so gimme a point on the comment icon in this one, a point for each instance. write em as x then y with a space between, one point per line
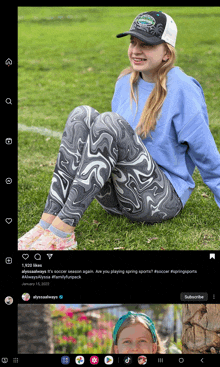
37 257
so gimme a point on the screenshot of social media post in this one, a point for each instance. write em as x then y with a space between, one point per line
111 248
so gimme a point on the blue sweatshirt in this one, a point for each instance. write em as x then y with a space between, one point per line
182 138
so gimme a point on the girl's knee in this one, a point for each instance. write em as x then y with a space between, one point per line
112 122
83 113
109 119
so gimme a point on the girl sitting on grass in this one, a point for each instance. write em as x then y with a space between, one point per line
135 333
137 160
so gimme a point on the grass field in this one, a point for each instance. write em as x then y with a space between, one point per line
69 56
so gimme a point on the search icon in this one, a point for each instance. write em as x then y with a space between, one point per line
8 100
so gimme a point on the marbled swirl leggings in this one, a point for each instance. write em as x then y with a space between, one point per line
101 157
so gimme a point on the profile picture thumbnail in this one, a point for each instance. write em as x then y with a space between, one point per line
26 296
8 300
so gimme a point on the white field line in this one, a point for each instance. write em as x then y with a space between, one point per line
40 130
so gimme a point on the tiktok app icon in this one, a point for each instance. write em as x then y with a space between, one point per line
127 360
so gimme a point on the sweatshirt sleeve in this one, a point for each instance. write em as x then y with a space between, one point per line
201 146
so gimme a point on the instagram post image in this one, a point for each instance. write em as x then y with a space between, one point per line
116 329
118 142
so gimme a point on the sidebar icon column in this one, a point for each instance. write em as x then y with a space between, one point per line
9 200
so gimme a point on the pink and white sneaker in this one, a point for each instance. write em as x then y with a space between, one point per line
30 237
49 241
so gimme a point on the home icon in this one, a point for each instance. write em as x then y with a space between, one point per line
8 62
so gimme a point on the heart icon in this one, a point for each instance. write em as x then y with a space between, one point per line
25 256
8 220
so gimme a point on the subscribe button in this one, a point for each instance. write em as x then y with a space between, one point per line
193 296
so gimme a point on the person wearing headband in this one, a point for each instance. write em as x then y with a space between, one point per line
135 333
